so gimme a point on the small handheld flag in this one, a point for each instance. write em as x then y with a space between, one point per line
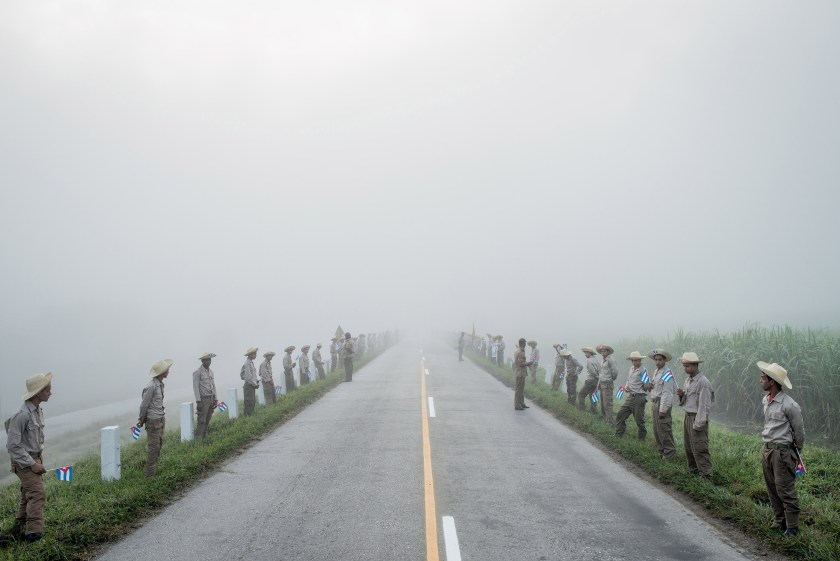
645 377
278 390
135 432
64 473
594 397
800 465
620 393
668 376
222 406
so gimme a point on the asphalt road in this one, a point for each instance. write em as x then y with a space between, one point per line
343 481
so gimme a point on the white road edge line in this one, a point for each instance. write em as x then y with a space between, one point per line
431 407
450 536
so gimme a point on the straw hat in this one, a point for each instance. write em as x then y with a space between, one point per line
251 350
588 350
304 348
652 354
610 350
289 349
635 355
565 352
532 343
319 345
160 367
776 372
36 383
555 345
690 358
269 354
206 356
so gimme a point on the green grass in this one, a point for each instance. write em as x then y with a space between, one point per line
737 491
87 513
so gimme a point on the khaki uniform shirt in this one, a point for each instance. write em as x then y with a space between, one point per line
783 421
287 361
520 364
558 360
698 399
593 368
249 373
204 384
665 391
607 371
151 405
571 366
25 434
347 350
304 363
634 380
316 356
266 374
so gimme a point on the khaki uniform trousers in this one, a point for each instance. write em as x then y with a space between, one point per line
571 387
250 396
589 387
203 413
555 379
322 375
290 379
30 516
607 401
154 431
696 444
519 392
533 369
663 431
634 405
500 359
348 369
268 392
333 362
779 466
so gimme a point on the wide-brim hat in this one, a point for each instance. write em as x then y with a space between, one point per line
36 383
776 372
652 354
251 350
532 343
588 350
305 348
610 350
556 345
289 349
635 355
160 367
690 358
269 354
206 356
565 353
319 345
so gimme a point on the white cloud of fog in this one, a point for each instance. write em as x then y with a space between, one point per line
210 175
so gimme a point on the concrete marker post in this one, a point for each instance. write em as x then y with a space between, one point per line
109 446
187 427
260 395
233 403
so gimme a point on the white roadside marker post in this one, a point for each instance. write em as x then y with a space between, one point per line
187 429
233 403
109 446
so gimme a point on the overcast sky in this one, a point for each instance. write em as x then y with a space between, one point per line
182 177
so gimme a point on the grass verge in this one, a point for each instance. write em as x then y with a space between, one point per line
736 492
88 513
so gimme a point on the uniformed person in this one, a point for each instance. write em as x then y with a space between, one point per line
335 346
535 360
572 369
607 373
267 378
361 346
500 352
319 362
204 388
251 382
304 365
593 374
635 398
347 351
461 347
558 367
153 413
696 401
784 437
662 387
289 369
25 443
520 368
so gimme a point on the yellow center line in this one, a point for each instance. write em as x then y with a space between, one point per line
432 553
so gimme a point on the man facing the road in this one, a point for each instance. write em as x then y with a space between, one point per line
347 357
572 368
251 382
608 372
25 443
267 378
662 391
535 360
204 388
696 400
636 398
593 369
319 362
784 436
520 367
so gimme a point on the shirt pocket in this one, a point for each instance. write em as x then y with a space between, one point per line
778 416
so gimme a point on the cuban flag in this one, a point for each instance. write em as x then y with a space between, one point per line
64 473
668 376
278 390
620 393
135 432
645 377
222 406
800 465
594 397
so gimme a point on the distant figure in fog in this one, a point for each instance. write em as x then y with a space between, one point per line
304 365
289 369
461 347
572 369
535 360
335 348
267 378
153 413
558 368
520 368
500 352
319 362
347 352
251 382
204 388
